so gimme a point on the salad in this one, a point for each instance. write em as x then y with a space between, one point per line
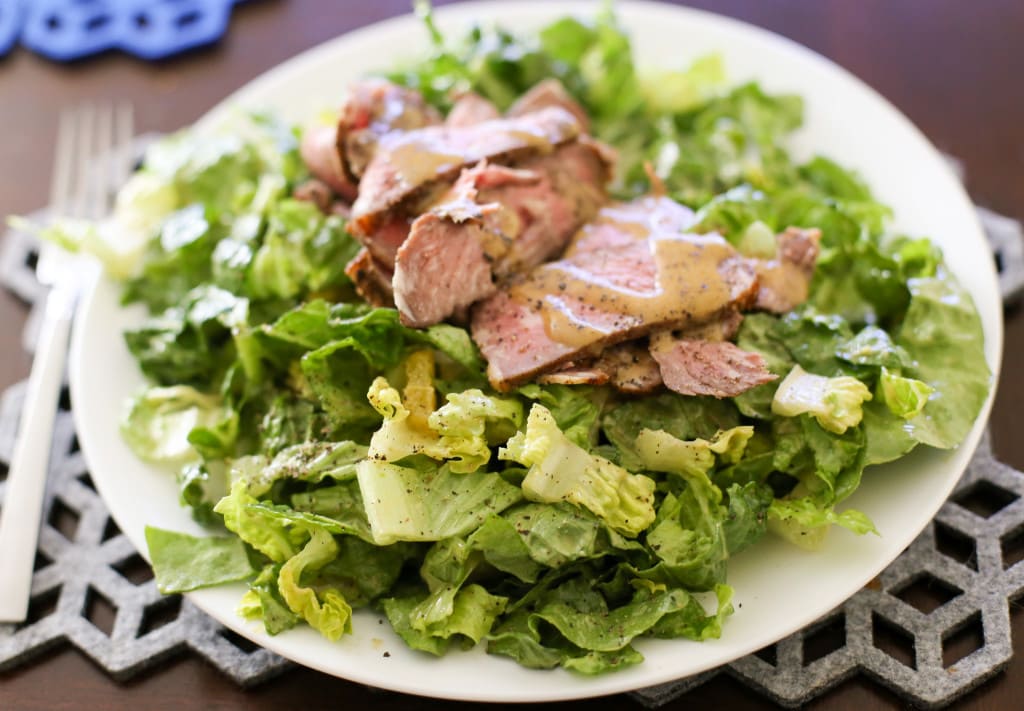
346 454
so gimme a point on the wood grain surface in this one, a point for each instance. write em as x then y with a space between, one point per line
954 67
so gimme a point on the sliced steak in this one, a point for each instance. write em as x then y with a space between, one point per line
570 193
470 109
444 265
629 367
373 109
716 368
320 155
573 374
372 279
633 370
786 280
414 164
518 217
383 243
315 191
629 272
721 329
549 92
441 270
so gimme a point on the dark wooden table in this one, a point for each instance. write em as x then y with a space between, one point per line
953 67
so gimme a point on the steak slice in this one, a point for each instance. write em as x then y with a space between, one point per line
545 93
633 369
630 272
415 163
384 242
320 155
338 154
571 191
442 269
786 280
373 109
573 374
470 109
315 191
495 219
721 329
629 367
372 279
716 368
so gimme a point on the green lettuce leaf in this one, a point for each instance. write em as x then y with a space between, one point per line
561 470
905 397
689 536
177 260
747 518
177 424
190 343
363 572
182 562
263 601
273 537
404 504
397 610
342 503
502 546
576 409
301 251
311 462
804 521
201 486
874 346
554 535
834 402
325 609
942 333
683 417
459 431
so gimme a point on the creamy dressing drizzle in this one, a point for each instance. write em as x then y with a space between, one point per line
788 283
580 307
416 161
425 154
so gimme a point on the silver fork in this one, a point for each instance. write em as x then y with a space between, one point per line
93 155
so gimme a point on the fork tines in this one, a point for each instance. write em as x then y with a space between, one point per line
93 158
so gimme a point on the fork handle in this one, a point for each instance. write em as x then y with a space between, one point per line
26 481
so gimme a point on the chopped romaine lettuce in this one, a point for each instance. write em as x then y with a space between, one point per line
182 562
834 402
804 522
905 397
324 609
456 432
406 504
178 423
561 470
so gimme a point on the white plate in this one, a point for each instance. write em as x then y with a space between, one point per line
778 589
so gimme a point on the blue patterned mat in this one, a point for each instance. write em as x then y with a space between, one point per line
66 30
